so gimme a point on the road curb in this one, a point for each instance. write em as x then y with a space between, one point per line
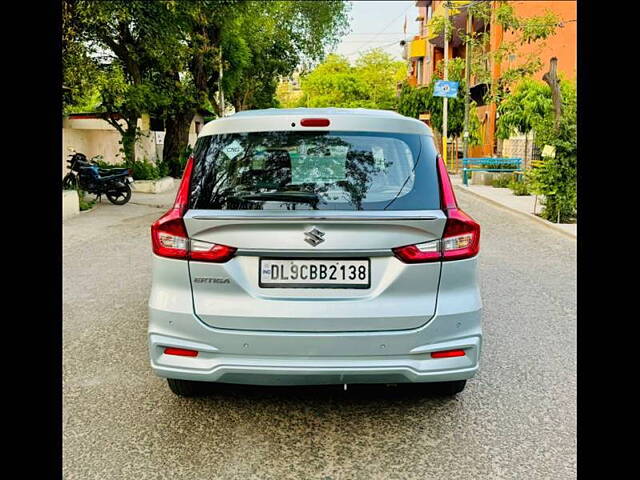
530 216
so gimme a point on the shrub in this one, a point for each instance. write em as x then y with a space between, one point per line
502 181
141 170
84 203
145 170
505 166
519 187
555 179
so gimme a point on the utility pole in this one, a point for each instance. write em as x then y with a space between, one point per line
467 90
220 92
445 100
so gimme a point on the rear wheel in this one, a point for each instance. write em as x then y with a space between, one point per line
120 196
185 388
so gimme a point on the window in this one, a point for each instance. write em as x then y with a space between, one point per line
314 170
198 127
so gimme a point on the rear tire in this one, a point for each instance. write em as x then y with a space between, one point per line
122 196
449 388
185 388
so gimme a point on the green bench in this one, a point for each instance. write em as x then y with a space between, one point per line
489 164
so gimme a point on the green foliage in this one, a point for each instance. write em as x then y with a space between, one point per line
84 203
519 187
502 181
140 170
370 83
163 57
78 68
556 177
525 31
539 27
503 166
145 170
524 108
185 156
414 101
506 17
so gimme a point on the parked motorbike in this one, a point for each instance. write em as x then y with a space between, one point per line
86 175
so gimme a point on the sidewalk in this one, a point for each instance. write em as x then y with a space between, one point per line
523 205
159 200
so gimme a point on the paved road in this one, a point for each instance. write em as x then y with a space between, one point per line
515 420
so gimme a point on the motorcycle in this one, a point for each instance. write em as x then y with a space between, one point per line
88 176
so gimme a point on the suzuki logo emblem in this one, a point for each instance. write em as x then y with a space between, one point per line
314 237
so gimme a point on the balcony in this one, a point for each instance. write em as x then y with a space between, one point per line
459 21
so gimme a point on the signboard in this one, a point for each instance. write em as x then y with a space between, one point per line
445 88
549 151
159 138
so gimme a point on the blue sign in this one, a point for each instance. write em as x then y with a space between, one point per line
445 88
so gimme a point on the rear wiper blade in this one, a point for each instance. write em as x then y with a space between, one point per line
293 196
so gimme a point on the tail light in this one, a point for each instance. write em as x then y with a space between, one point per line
461 237
169 236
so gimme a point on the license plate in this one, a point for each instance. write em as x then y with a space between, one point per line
130 179
308 273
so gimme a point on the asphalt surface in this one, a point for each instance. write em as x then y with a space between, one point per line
515 420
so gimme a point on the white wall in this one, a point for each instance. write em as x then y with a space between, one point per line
96 137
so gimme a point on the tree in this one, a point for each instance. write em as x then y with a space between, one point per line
77 66
523 109
556 177
164 56
527 30
530 107
120 43
280 36
414 101
256 41
531 30
370 83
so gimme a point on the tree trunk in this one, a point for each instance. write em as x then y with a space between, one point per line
176 140
128 135
237 103
129 145
551 77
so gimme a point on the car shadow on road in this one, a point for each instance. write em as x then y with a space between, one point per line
355 394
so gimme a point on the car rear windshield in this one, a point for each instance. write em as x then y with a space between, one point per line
314 170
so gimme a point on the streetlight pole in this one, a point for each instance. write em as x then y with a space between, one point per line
467 90
445 102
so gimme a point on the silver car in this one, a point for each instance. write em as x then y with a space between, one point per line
315 246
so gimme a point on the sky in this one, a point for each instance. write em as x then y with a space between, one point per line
378 24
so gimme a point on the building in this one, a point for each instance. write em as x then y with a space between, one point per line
426 50
90 134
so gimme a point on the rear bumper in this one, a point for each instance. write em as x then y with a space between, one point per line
316 358
211 366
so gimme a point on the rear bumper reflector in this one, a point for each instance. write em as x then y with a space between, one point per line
447 354
183 352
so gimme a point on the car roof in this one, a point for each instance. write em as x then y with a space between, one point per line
341 119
